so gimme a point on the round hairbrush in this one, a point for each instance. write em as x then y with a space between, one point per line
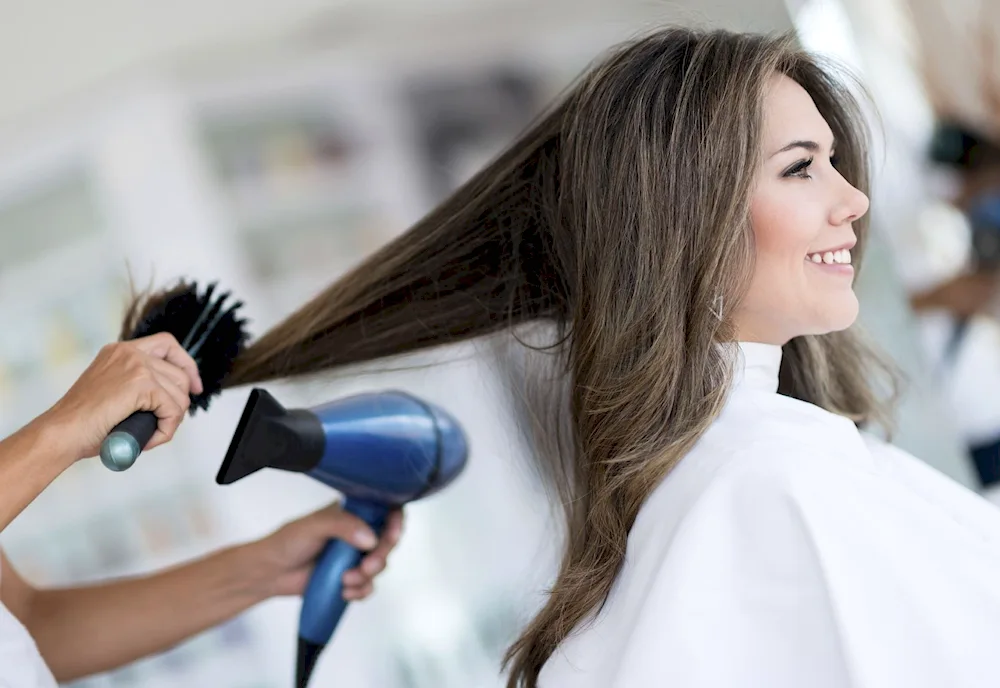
208 329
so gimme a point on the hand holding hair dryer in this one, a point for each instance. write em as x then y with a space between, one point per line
380 450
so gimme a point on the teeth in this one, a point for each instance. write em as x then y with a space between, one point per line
841 257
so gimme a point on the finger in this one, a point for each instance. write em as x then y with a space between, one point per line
176 375
168 413
374 561
334 522
372 565
354 578
393 528
171 387
390 536
359 593
165 346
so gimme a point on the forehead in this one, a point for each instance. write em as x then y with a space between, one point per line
790 114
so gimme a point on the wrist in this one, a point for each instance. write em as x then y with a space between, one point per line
52 435
251 577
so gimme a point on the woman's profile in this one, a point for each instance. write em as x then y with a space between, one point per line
689 218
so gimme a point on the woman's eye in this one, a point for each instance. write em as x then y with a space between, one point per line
799 169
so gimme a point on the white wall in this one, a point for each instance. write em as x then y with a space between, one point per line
55 52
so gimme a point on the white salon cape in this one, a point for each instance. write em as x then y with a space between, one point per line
790 550
21 666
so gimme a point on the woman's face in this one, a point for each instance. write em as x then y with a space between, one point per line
802 212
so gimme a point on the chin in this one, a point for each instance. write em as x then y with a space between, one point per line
838 316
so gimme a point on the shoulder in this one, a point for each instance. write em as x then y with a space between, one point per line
779 425
773 450
788 478
764 486
884 448
773 468
900 466
765 513
781 456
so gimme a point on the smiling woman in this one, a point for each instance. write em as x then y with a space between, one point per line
802 211
728 523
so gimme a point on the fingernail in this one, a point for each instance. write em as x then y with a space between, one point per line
365 539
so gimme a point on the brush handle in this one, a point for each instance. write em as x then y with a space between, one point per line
324 603
122 446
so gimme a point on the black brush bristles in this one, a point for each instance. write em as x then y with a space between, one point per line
204 325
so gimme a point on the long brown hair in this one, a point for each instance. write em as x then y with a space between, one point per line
621 217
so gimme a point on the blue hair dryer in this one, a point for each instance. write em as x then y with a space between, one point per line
380 450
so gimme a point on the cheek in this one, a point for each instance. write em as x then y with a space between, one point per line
783 237
783 231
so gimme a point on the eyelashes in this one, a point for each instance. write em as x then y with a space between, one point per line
801 168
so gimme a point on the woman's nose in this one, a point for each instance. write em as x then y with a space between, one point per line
852 206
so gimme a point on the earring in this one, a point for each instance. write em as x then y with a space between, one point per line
716 306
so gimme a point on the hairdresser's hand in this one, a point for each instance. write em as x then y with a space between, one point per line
148 374
964 296
282 562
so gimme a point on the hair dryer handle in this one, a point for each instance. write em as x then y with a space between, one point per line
323 603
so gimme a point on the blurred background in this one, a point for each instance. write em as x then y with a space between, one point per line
271 145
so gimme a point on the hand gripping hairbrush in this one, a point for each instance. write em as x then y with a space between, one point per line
206 328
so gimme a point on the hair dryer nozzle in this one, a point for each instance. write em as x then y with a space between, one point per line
269 436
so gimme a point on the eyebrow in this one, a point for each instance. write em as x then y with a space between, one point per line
810 146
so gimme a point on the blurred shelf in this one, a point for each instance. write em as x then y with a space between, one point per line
57 210
292 197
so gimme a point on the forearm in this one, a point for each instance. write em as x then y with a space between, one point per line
30 460
83 631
